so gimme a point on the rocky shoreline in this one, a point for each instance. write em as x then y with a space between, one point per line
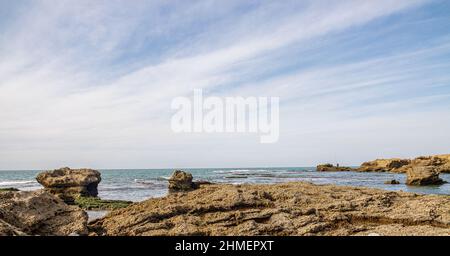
441 163
297 208
423 170
201 208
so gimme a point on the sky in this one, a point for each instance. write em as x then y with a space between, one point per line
90 83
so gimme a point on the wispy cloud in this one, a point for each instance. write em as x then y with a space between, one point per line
86 83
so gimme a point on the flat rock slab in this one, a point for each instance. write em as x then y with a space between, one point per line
281 209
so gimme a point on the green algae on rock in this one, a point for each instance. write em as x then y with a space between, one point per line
95 203
8 190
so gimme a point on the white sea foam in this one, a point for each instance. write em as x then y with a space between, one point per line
146 182
241 171
163 178
16 182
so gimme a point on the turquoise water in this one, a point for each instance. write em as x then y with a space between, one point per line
138 185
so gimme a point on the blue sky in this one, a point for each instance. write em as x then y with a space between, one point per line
89 83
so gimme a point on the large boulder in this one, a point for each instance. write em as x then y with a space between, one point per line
69 184
332 168
181 181
384 165
423 175
39 213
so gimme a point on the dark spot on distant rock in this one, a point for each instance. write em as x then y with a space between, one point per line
392 182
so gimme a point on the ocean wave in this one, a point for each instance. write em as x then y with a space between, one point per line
235 177
129 188
16 182
163 178
259 175
145 182
242 171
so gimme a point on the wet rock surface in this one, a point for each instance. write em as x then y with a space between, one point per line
281 209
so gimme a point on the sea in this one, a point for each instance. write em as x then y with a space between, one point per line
141 184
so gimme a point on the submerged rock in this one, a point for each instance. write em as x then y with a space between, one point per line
69 184
39 213
423 175
281 209
332 168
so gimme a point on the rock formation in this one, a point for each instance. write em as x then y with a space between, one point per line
441 163
423 175
68 184
181 181
392 182
281 209
397 165
332 168
384 165
39 213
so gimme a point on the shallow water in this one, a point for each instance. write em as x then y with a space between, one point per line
138 185
93 215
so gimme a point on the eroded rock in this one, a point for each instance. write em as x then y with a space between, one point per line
397 165
181 181
423 175
332 168
384 165
69 184
441 163
281 209
39 213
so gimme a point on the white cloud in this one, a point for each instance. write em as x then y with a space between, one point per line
69 95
